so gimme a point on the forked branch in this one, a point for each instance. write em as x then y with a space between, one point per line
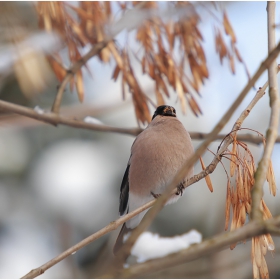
272 132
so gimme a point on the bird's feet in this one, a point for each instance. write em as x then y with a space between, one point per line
180 189
155 195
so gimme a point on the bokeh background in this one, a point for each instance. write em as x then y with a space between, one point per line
60 184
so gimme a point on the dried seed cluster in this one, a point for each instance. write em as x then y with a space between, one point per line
228 52
171 52
78 26
238 200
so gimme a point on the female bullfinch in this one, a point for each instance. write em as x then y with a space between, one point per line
157 154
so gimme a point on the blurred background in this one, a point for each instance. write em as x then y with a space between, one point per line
60 184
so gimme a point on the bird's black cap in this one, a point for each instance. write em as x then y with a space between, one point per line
165 110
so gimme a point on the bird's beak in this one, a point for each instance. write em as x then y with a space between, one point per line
169 111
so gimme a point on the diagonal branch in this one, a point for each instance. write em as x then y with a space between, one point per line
110 227
125 251
209 246
272 132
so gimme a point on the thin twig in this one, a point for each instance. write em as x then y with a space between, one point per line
110 227
250 138
272 132
56 119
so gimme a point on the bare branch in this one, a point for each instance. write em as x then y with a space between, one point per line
249 138
209 246
272 132
110 227
50 118
14 120
56 119
125 251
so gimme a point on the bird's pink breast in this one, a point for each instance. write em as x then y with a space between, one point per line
157 155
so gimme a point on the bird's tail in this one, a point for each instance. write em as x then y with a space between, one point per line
119 242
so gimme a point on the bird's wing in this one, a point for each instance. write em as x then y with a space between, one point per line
124 193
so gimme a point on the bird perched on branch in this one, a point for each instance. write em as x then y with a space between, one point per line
157 154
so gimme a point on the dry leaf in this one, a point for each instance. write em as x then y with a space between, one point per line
228 29
264 269
160 100
151 70
237 54
180 92
228 202
80 85
59 70
107 6
207 177
233 158
256 273
116 72
243 214
266 212
231 62
271 179
263 245
258 253
143 64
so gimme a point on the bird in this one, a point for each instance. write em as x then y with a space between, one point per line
157 154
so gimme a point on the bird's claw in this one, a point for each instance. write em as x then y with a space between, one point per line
155 195
180 189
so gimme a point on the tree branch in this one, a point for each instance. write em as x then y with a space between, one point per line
272 132
113 225
249 138
147 220
110 227
54 119
209 246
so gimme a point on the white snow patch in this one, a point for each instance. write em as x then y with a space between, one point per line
39 110
92 120
151 246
